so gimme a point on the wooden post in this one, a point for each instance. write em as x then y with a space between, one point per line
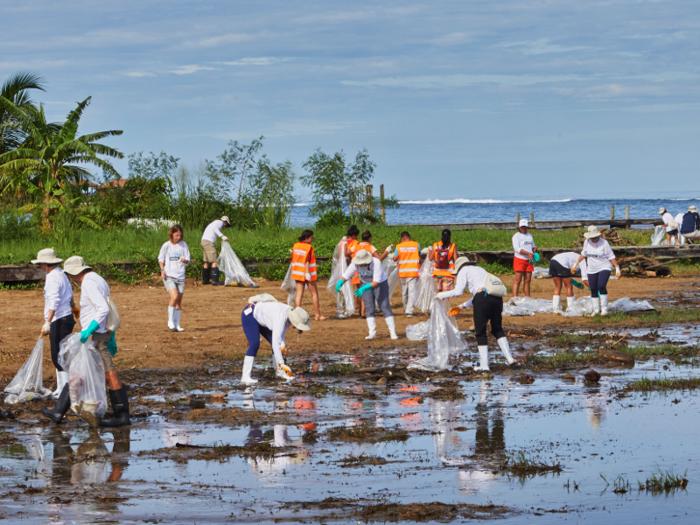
517 220
382 209
532 220
627 217
369 189
612 213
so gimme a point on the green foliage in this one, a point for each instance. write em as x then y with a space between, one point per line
16 90
271 192
272 271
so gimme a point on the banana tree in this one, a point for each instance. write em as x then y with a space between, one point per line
52 156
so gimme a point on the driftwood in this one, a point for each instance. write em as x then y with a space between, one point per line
640 266
609 235
616 355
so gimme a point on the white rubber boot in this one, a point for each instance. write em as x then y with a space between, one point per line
604 304
61 380
176 320
596 306
505 350
171 311
392 327
247 370
484 357
570 301
556 304
372 325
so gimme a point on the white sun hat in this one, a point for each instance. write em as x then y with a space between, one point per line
299 318
226 219
592 232
692 208
75 265
662 210
523 222
46 256
462 261
362 257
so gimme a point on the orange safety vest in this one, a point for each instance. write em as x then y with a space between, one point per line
300 252
409 259
451 252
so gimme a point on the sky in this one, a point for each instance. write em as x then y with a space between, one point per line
452 99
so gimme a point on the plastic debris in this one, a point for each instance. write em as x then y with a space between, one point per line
541 273
444 339
345 300
417 332
391 269
583 306
518 306
658 238
86 379
289 285
232 267
28 383
427 288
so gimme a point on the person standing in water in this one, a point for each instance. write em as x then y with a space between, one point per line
599 257
524 258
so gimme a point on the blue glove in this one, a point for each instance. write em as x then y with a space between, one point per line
112 345
537 257
362 289
576 283
85 334
339 285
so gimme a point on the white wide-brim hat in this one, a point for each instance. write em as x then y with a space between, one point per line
299 318
592 232
75 265
226 219
662 210
362 257
461 261
46 256
692 208
523 222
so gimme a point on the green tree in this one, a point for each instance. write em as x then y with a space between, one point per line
229 176
51 158
16 90
272 193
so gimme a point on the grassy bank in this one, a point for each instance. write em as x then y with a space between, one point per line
141 246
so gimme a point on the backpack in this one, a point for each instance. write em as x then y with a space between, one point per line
442 258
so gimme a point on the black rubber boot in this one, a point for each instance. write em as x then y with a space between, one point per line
60 408
206 275
120 407
215 277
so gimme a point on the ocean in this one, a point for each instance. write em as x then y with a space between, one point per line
465 210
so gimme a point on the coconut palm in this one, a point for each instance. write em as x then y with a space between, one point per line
16 89
52 156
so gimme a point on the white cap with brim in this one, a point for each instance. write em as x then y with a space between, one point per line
75 265
592 232
662 210
523 222
226 219
462 261
47 256
299 318
362 257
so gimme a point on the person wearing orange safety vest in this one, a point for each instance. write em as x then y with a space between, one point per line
304 271
444 253
407 255
350 243
366 245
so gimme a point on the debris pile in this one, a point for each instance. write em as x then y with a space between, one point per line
640 266
610 235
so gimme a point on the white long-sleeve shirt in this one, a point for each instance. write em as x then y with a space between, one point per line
373 272
273 315
599 255
568 259
213 231
170 255
472 278
57 294
667 218
93 301
523 241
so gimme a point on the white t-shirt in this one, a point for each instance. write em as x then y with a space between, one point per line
568 259
170 255
273 315
523 241
473 278
213 231
667 218
599 255
373 272
93 301
57 294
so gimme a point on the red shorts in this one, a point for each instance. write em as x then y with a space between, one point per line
522 265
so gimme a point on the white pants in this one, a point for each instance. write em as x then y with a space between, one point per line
409 291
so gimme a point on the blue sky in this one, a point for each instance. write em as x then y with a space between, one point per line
453 99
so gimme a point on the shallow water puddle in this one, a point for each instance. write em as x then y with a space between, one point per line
181 471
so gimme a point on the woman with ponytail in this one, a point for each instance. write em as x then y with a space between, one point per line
304 271
444 253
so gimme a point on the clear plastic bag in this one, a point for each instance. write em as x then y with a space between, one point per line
391 269
541 273
232 267
583 306
28 383
427 287
658 238
518 306
86 376
345 301
417 332
289 285
444 339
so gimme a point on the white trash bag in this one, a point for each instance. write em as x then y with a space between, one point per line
86 379
232 267
583 306
658 238
391 269
427 288
28 384
541 273
417 332
518 306
345 300
444 339
289 285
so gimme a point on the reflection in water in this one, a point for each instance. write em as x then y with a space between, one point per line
278 437
596 410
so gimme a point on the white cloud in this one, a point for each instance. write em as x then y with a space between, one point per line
138 74
541 46
451 81
452 39
214 41
189 69
259 61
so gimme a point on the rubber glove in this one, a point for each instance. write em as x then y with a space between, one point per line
85 334
454 310
45 329
362 289
344 238
339 285
576 283
76 312
537 257
573 268
440 295
389 248
425 251
224 238
112 345
617 272
307 276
